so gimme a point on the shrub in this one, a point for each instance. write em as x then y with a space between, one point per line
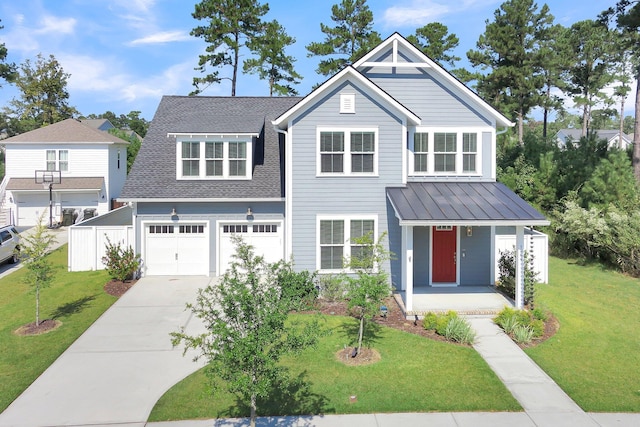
507 278
121 264
539 314
459 330
509 323
443 321
430 321
512 321
332 288
297 287
537 326
522 334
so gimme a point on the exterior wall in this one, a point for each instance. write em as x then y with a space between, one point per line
421 255
330 195
208 213
22 161
475 258
114 180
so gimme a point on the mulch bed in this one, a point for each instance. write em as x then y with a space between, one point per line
45 326
117 288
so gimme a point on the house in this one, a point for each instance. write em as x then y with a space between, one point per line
391 145
613 137
91 165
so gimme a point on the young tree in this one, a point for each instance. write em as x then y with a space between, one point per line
510 49
350 39
435 41
272 63
247 329
593 51
43 98
231 24
370 285
7 70
33 253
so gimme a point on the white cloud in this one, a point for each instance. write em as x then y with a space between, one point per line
54 25
161 37
417 13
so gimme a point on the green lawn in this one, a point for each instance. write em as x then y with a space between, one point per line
415 374
75 299
595 356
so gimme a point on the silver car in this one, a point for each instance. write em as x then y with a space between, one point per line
9 244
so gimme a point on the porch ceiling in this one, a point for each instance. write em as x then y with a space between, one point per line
461 203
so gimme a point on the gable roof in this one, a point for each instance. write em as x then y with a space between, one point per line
69 131
99 124
346 74
397 42
153 176
575 134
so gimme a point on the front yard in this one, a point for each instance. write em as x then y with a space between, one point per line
75 299
595 355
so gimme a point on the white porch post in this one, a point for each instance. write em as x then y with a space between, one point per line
519 267
407 266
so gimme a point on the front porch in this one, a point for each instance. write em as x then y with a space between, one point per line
471 300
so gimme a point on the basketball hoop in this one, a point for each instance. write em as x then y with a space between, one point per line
47 178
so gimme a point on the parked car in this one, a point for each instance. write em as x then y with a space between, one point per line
9 244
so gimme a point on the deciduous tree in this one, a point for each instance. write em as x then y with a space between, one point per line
7 69
272 63
230 26
350 38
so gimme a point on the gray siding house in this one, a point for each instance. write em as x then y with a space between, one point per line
392 144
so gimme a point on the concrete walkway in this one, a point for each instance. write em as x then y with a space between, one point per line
117 370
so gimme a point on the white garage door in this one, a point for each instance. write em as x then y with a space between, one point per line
176 249
31 206
266 239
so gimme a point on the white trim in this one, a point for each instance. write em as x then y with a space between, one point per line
199 199
492 245
347 153
202 160
474 223
347 231
407 266
212 136
347 103
348 73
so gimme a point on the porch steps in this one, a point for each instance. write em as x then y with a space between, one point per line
444 307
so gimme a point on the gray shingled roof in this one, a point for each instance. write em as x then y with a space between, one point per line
153 175
67 183
66 131
464 203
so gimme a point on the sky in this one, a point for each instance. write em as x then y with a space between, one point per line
123 55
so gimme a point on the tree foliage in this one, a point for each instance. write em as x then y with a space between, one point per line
33 254
272 63
132 148
247 331
435 41
44 99
230 26
7 69
510 49
121 263
350 38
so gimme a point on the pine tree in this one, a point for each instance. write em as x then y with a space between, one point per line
231 24
435 41
349 40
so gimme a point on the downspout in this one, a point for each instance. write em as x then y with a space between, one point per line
287 193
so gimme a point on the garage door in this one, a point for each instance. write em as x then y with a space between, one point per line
31 206
176 249
266 239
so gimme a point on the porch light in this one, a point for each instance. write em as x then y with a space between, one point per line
469 231
249 212
173 212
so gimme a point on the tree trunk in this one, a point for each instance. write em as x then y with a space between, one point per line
545 118
360 333
253 410
585 120
37 306
621 122
636 133
520 128
236 59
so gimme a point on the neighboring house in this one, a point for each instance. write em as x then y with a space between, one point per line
393 145
92 166
106 125
611 136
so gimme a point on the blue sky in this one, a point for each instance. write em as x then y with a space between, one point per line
123 55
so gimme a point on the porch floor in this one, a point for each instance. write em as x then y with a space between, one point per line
461 299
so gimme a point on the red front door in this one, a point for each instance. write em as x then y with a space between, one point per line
444 255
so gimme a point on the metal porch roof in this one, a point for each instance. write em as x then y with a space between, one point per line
461 203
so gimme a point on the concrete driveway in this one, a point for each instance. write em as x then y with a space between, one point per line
117 370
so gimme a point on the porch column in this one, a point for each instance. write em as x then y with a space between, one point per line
519 267
407 266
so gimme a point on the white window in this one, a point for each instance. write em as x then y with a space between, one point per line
440 151
350 152
337 239
58 160
214 159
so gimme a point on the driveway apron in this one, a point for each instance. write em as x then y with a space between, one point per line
117 370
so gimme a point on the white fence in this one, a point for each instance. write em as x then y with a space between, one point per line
535 243
88 244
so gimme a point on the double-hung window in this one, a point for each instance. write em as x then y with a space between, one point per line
58 160
217 159
469 151
340 238
438 151
421 151
444 151
347 152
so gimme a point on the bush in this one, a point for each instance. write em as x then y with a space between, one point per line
332 288
430 321
443 321
121 264
297 287
459 330
507 276
512 321
522 334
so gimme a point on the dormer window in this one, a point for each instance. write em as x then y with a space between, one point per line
214 156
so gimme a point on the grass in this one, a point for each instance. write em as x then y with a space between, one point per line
595 355
415 374
76 299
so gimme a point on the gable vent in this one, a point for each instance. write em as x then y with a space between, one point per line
347 103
